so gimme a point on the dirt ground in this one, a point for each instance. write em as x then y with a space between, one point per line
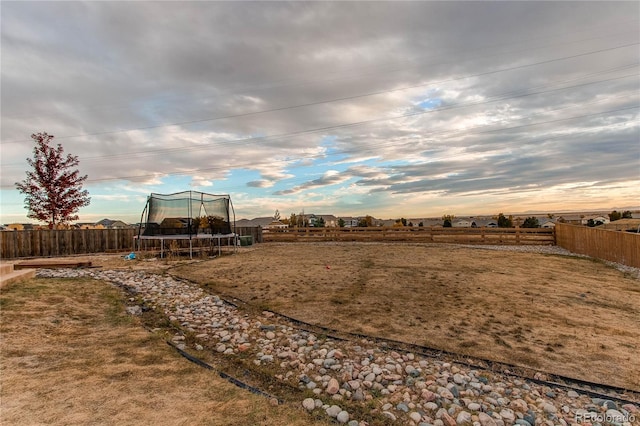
70 355
573 316
566 315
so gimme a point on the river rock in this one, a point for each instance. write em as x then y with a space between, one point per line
446 393
342 417
333 411
389 415
333 386
427 394
447 419
474 406
415 416
486 420
615 416
358 395
309 404
463 418
519 405
508 415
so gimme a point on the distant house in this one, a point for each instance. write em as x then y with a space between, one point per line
387 222
547 224
113 224
484 223
174 223
349 222
571 219
426 222
275 224
415 222
243 223
598 220
432 222
330 221
103 224
312 220
255 222
87 225
21 227
462 223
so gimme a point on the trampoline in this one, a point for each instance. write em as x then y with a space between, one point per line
187 215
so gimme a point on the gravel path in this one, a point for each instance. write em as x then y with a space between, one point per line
403 387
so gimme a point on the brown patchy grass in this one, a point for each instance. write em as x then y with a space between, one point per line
571 316
70 355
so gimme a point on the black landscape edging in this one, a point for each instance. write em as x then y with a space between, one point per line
222 374
494 366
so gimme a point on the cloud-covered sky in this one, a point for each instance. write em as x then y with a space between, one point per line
391 109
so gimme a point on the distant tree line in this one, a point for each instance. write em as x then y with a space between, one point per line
300 220
616 215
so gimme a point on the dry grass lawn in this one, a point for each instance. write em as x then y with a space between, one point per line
70 355
571 316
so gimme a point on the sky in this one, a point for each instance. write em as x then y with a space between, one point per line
389 109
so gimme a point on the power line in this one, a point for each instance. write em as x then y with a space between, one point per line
372 147
285 83
184 123
188 172
496 98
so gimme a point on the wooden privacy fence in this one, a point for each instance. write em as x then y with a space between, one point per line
615 246
414 234
45 243
54 242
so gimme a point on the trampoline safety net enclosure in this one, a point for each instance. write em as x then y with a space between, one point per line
187 215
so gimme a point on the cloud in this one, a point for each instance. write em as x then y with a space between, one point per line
201 182
260 183
330 177
379 99
111 197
